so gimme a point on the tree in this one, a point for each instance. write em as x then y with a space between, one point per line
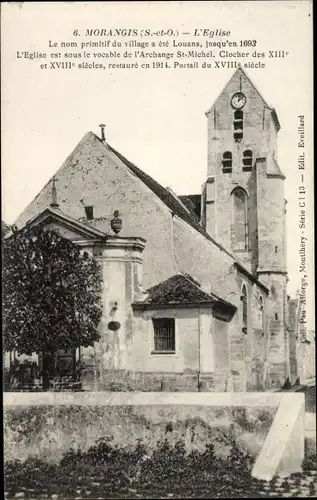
5 228
51 295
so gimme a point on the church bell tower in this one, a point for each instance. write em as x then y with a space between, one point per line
243 198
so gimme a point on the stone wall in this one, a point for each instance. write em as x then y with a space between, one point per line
49 431
263 184
259 136
307 357
158 381
277 352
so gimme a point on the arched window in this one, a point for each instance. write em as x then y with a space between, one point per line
227 161
247 160
239 224
238 125
244 309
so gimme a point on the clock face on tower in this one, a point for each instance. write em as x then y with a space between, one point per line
238 100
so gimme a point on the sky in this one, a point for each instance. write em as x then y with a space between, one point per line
154 117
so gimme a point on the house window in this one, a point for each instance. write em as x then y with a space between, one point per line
89 212
247 160
276 317
227 162
164 335
239 228
244 307
238 125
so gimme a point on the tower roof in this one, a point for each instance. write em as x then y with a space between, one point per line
236 77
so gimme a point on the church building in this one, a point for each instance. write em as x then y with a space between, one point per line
195 287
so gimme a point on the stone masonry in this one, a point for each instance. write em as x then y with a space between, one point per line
236 249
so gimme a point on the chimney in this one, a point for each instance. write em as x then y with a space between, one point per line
54 203
103 137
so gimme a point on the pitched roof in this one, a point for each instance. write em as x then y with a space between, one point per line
170 199
192 202
178 208
272 168
181 290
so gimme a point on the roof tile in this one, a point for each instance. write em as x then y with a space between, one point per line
181 289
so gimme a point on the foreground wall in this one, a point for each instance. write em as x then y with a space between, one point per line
48 433
47 425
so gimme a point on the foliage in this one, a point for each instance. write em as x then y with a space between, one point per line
21 373
107 471
51 293
256 421
310 462
5 229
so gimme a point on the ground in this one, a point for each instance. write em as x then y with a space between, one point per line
299 485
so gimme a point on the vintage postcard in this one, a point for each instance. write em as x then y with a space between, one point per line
157 242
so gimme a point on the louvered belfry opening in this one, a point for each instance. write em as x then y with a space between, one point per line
227 162
238 125
247 160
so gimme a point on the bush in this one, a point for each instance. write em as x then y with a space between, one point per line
112 469
310 462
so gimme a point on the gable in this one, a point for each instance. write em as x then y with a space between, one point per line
67 227
240 81
65 232
96 174
92 175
